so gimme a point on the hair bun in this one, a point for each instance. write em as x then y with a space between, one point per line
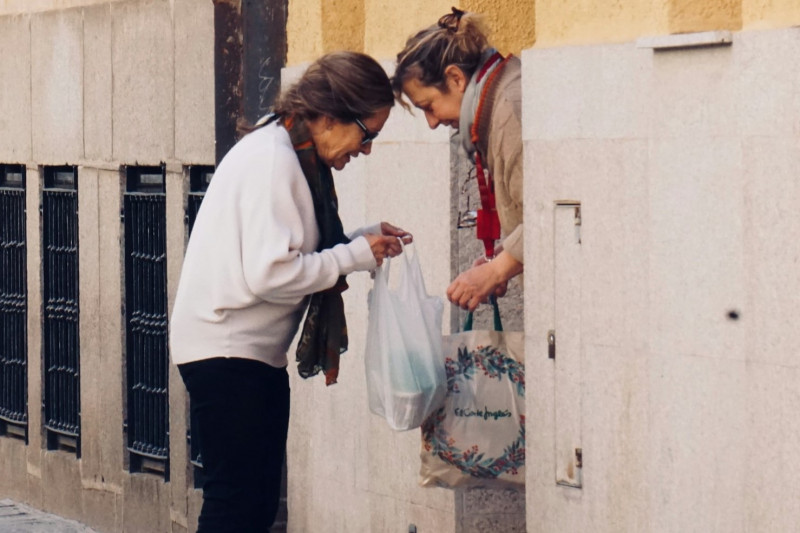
450 21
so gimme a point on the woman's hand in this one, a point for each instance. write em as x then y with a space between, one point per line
475 285
383 246
502 288
388 229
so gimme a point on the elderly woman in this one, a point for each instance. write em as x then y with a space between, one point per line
457 79
267 247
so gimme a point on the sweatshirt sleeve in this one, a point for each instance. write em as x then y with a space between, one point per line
278 224
512 178
505 158
374 229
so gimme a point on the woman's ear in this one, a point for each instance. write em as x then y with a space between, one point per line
455 78
328 122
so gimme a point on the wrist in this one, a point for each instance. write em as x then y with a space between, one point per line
505 267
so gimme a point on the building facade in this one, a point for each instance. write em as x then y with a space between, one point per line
661 145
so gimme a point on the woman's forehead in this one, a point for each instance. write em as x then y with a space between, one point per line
416 91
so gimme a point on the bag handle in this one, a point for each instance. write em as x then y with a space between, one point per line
498 324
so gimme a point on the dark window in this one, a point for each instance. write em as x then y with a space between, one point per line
199 178
147 358
60 292
13 304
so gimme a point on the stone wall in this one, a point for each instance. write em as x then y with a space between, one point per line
99 85
675 368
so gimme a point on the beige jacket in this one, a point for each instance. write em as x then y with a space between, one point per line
500 143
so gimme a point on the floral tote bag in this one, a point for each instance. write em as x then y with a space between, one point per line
477 438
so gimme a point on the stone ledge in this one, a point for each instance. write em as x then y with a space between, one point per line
686 40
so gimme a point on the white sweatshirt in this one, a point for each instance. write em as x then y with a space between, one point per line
251 261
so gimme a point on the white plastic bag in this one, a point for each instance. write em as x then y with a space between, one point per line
405 369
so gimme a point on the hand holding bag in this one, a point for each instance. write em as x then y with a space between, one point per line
477 438
404 363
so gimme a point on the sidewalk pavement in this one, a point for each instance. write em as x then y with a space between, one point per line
19 518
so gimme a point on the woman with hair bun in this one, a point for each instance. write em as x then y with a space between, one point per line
268 247
457 79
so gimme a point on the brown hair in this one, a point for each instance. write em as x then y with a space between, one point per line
459 38
340 85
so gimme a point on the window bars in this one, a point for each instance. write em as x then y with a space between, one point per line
147 358
60 292
199 178
13 303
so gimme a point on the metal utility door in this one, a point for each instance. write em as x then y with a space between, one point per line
567 358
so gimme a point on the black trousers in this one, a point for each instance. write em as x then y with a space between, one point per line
241 408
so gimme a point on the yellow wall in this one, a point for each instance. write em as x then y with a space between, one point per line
303 31
695 15
764 14
343 24
380 28
512 23
589 21
391 23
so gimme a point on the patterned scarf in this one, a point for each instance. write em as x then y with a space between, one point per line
472 97
324 336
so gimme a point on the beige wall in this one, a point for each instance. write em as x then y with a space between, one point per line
685 172
100 85
36 6
348 471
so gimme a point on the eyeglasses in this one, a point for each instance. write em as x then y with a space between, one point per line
369 136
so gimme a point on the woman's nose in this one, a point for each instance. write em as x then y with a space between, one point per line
366 148
433 122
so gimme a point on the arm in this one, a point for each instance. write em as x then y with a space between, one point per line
475 285
275 212
276 218
383 228
506 161
374 229
504 158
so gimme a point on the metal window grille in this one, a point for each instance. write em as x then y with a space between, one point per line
147 358
13 304
199 178
60 291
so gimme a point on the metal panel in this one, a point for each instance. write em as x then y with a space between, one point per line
147 357
13 303
249 51
200 177
566 347
61 312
